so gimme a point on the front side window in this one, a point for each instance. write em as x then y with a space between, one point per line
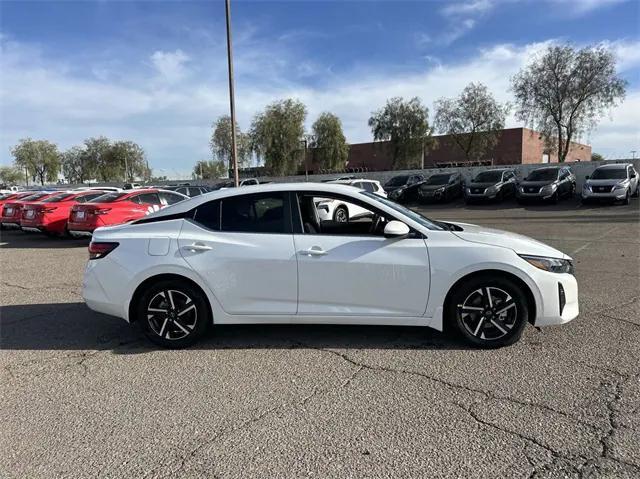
260 213
334 215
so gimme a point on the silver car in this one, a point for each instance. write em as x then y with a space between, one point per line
611 182
491 185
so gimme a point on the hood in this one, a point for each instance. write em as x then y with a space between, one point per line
519 243
536 183
482 185
389 189
604 182
431 187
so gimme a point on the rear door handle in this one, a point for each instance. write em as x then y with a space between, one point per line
198 247
314 251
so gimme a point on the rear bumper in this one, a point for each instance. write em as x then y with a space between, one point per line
81 233
95 295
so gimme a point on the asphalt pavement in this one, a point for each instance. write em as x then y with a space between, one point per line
84 395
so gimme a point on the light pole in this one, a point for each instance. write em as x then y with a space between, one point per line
633 154
232 104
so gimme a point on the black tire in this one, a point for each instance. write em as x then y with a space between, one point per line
572 191
627 199
341 214
637 192
169 329
500 196
554 198
486 329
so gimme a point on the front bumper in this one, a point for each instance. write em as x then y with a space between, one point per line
540 195
619 194
552 308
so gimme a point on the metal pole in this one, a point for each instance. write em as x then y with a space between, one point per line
633 154
232 104
306 170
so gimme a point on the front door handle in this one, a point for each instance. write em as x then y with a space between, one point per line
314 251
198 247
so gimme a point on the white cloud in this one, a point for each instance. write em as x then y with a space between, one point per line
170 65
43 99
581 7
474 7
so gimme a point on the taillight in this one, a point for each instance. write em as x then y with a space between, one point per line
101 249
101 211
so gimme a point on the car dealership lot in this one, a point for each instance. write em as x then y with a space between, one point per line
86 395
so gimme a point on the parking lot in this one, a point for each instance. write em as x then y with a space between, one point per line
84 395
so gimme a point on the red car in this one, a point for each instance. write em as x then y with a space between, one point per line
50 215
4 197
12 210
116 208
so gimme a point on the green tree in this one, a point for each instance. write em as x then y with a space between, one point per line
472 120
41 158
129 158
404 124
77 166
329 141
210 170
220 143
597 157
564 92
10 175
98 157
276 135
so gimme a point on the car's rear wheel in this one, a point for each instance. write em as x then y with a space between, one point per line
488 312
341 214
173 314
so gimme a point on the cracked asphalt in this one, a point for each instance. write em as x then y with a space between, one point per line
84 395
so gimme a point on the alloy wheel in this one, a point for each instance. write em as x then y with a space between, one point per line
488 313
172 314
341 215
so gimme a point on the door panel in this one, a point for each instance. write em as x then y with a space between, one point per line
249 273
361 275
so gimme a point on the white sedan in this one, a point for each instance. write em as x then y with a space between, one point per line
260 254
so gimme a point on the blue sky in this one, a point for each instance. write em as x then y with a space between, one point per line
155 71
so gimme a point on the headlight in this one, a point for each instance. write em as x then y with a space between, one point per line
440 190
491 190
549 188
553 265
620 186
586 187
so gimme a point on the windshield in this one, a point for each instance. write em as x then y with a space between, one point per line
418 218
438 180
58 197
397 181
108 198
546 174
488 177
609 174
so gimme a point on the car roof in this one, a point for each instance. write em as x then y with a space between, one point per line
184 206
614 166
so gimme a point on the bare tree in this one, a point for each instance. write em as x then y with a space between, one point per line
472 120
564 92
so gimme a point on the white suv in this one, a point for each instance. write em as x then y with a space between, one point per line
342 211
611 182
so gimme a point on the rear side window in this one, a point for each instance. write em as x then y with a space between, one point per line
170 198
262 213
208 215
194 191
56 198
368 186
87 198
147 199
183 190
108 198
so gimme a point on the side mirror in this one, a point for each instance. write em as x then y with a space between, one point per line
396 229
633 175
586 177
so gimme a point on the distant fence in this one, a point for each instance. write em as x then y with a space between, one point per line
581 170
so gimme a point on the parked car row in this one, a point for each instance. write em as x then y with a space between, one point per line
618 182
80 212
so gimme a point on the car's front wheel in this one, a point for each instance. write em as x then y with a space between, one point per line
488 312
173 314
341 214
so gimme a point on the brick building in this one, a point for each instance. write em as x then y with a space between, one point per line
515 146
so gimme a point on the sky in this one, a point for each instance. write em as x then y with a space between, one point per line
155 71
